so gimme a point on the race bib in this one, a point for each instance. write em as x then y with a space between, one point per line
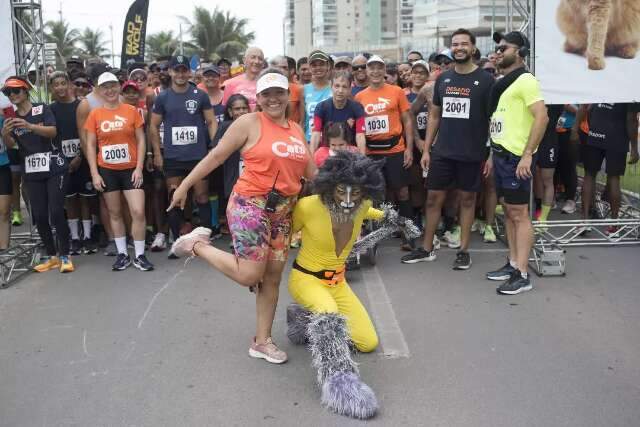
422 120
71 147
496 127
161 131
184 135
456 108
116 154
38 162
376 125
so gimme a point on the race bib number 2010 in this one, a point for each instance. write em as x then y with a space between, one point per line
116 154
38 162
376 125
456 108
496 127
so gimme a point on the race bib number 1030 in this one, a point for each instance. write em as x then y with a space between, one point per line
376 125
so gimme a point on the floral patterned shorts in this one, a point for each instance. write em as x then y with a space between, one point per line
259 235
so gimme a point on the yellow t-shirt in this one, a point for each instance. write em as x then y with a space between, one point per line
512 121
318 251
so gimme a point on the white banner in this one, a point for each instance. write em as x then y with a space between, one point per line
7 57
570 78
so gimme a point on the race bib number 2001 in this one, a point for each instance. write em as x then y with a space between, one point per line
116 154
376 125
184 135
38 162
456 108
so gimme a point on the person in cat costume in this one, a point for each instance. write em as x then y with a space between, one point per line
327 315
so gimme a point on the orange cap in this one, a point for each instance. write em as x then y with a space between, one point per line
13 82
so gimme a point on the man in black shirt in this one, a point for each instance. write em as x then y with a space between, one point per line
460 119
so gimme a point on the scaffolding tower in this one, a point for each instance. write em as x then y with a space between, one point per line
29 43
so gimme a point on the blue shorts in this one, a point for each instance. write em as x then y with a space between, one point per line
514 190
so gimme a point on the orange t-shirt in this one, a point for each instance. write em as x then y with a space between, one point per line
280 151
295 93
115 135
383 108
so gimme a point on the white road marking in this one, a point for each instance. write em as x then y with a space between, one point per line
84 343
392 340
153 299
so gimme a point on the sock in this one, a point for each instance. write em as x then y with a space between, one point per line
544 212
405 209
86 227
524 274
513 263
121 244
214 204
205 213
139 247
73 228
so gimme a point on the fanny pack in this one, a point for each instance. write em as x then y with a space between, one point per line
383 144
328 277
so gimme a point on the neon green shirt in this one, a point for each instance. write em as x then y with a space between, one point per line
512 121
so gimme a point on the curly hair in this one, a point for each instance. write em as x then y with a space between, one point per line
351 169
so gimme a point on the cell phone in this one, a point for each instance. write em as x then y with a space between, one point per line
273 198
9 113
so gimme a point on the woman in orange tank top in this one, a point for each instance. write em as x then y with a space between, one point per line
275 159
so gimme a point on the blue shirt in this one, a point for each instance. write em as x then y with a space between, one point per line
185 129
352 114
312 97
4 157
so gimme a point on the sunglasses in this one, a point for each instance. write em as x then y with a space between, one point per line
139 78
82 84
359 67
12 91
503 48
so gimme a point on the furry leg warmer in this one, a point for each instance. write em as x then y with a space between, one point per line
297 321
342 390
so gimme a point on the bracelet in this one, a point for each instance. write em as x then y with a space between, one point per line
149 153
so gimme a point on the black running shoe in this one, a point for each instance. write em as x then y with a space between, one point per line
462 261
418 255
503 273
89 247
515 285
74 248
142 263
122 262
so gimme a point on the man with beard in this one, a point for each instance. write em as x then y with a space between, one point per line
360 77
517 126
459 118
245 84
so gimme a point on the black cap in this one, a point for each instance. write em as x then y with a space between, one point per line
178 61
318 55
514 37
75 59
223 61
96 70
211 69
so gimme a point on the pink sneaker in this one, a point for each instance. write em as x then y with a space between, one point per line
267 351
184 245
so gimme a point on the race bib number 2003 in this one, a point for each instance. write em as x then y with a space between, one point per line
116 154
456 108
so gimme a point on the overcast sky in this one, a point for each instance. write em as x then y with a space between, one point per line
264 16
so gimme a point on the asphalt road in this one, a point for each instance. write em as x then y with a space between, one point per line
169 347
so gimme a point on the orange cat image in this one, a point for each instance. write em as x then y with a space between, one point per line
599 28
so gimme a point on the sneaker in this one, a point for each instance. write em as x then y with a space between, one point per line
462 261
569 207
159 243
111 249
267 351
515 285
74 248
148 238
489 236
122 262
66 266
47 264
478 225
16 218
418 255
172 255
536 214
436 243
89 246
503 273
453 237
184 245
142 263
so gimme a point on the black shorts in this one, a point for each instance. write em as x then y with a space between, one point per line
592 157
448 174
6 182
116 180
395 175
177 168
80 182
547 155
14 160
514 190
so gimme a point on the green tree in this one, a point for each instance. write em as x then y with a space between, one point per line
92 44
65 38
163 43
217 34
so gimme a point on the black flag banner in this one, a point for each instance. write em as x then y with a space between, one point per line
133 36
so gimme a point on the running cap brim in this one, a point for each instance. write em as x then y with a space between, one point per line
374 59
421 63
15 83
107 78
270 80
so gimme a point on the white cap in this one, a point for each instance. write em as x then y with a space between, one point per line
137 70
272 80
106 78
422 63
375 58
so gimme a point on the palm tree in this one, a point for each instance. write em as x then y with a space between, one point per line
58 32
160 44
218 34
92 44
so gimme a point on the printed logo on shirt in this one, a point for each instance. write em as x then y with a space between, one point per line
37 110
191 105
458 91
378 107
117 124
294 149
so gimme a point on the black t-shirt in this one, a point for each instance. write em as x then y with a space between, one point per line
464 124
422 115
550 137
608 126
66 124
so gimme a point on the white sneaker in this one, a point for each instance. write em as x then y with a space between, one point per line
569 207
159 243
436 243
453 237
